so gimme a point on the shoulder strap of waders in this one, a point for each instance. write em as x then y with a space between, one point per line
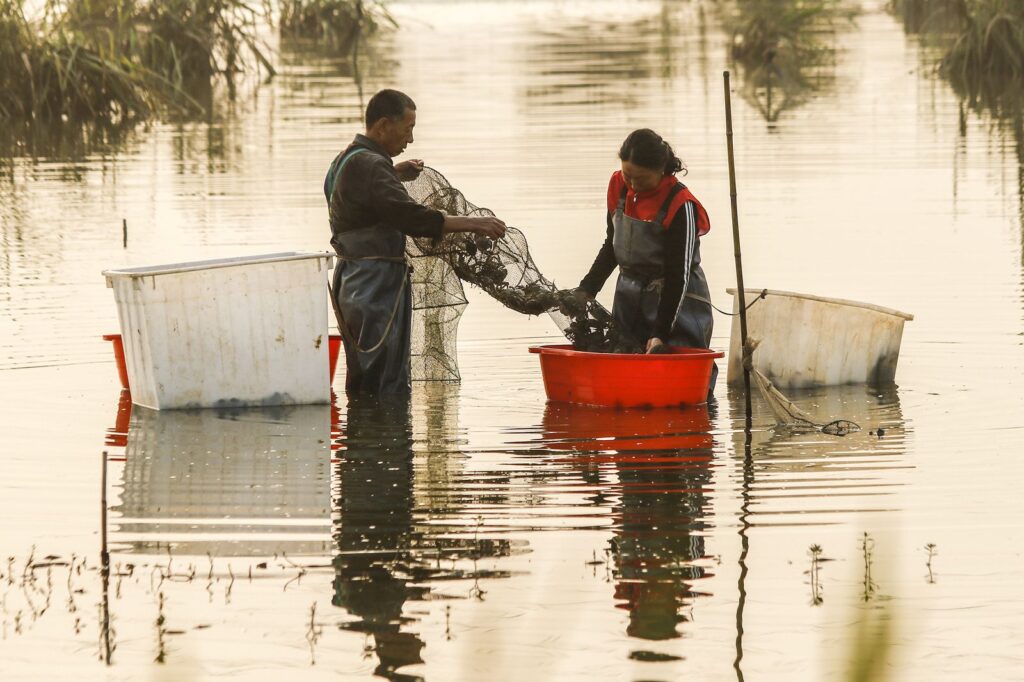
622 199
663 211
334 172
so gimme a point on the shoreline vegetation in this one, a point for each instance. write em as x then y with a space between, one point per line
981 43
116 63
99 66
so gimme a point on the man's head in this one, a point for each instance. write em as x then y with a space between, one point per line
390 118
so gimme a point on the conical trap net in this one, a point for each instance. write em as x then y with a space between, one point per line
504 269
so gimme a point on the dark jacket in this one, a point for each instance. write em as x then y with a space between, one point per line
369 195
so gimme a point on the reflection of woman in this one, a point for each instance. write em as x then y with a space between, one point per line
654 226
662 461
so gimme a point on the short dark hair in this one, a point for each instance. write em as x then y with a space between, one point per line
648 149
388 104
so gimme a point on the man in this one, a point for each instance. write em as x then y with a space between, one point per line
371 214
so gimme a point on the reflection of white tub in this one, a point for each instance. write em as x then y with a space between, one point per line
815 341
250 481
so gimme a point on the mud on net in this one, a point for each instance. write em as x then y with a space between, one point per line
504 269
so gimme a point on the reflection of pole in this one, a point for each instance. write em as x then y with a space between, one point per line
736 248
741 587
104 563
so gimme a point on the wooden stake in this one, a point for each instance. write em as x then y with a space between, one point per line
736 244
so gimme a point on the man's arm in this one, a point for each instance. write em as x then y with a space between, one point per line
392 202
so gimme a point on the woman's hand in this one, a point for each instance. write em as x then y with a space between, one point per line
582 296
655 345
409 170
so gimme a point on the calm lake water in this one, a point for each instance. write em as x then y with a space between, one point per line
484 534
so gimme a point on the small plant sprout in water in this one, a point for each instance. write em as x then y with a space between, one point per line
313 632
816 592
870 588
161 631
932 551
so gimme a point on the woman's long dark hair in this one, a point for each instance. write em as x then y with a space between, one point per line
646 148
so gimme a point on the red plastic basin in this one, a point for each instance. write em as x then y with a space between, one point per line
680 377
333 349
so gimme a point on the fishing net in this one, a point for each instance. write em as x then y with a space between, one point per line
785 410
504 269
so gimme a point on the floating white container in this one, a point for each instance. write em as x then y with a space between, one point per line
810 340
226 332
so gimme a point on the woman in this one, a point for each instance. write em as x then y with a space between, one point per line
654 230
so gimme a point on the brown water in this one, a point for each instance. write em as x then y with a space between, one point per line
484 534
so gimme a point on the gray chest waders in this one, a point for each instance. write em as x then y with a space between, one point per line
640 252
373 303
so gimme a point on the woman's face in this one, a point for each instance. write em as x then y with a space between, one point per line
640 179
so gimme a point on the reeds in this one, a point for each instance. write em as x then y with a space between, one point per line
121 60
783 46
990 44
981 43
338 23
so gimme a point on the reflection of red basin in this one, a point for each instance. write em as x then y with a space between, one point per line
680 377
662 434
333 348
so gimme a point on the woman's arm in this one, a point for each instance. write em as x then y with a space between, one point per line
680 239
603 264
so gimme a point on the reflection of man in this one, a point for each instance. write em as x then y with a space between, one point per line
371 214
375 529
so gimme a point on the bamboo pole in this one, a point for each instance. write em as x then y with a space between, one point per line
736 245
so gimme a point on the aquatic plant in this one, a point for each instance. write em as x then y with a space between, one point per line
336 22
932 551
816 593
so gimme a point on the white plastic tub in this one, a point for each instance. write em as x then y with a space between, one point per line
226 332
810 340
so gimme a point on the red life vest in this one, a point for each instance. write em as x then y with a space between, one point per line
645 205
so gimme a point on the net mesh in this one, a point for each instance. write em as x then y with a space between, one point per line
504 269
788 414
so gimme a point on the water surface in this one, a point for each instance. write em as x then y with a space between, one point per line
479 533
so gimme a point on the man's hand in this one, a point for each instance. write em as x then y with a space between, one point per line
486 226
489 227
409 170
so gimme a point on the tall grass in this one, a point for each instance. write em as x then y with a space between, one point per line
120 60
338 23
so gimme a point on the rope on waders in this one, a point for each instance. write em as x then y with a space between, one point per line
343 327
330 182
